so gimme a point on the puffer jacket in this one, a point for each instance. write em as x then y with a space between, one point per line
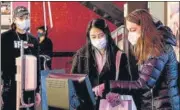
157 82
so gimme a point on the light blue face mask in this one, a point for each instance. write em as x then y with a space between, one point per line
23 25
39 34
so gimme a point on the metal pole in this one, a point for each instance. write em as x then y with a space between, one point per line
11 19
50 15
20 78
44 11
29 9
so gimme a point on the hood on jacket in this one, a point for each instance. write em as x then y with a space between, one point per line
169 37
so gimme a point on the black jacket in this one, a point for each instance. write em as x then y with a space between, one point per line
46 48
84 63
10 50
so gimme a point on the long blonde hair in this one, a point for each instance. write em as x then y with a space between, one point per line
151 41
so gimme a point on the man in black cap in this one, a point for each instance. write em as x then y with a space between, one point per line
10 42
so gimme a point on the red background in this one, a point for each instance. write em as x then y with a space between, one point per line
70 20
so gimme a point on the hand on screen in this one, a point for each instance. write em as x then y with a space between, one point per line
99 90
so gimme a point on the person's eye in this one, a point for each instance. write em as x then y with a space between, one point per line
132 30
93 37
21 18
27 17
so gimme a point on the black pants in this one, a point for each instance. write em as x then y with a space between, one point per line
9 96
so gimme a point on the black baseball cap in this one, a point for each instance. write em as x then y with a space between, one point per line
20 11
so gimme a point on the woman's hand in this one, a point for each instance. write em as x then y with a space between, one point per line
1 99
113 98
38 99
99 90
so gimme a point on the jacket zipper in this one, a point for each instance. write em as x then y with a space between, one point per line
152 98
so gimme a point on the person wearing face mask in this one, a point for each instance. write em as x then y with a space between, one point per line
158 66
97 59
46 46
10 50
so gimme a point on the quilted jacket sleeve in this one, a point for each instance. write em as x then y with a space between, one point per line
149 73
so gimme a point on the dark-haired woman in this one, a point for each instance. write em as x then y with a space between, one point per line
97 58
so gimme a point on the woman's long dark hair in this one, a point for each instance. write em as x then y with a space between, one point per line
13 26
110 48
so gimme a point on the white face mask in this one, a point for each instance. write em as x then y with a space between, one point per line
133 37
99 43
23 25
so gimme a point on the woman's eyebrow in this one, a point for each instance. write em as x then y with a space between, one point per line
92 35
101 33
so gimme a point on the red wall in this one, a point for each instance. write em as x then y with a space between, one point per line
15 4
119 4
70 20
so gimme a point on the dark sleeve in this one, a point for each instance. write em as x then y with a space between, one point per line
48 48
148 75
36 46
75 64
124 73
7 59
38 71
3 54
